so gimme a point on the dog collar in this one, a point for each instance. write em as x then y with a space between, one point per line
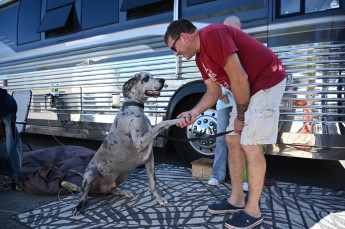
127 104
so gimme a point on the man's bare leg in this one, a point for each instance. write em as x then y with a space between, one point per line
236 160
256 166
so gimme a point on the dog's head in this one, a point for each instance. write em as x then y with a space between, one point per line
141 87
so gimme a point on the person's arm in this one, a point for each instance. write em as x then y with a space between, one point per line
208 100
240 88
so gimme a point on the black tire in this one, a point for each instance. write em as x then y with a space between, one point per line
184 148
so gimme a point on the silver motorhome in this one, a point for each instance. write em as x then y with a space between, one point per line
75 55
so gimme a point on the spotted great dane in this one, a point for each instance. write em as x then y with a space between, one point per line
128 144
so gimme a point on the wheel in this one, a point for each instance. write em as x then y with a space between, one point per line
204 125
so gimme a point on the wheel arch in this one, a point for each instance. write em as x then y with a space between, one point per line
184 99
190 88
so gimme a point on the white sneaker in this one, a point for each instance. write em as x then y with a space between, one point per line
213 181
245 186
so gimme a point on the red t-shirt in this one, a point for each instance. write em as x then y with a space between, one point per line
218 42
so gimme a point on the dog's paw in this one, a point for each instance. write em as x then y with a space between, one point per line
80 207
127 194
185 116
162 202
78 210
75 212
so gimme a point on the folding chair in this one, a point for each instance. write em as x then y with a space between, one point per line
23 99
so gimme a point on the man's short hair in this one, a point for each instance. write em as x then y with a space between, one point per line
177 27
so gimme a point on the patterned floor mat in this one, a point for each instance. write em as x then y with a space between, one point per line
283 206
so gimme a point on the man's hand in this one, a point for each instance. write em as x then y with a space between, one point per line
238 126
186 118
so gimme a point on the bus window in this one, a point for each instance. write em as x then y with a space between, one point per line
289 7
59 21
196 2
320 5
28 22
95 14
140 9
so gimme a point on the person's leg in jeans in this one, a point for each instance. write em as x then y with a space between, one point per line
13 147
221 155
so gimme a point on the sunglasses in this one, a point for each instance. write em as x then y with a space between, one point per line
173 45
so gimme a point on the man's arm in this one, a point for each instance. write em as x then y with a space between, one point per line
213 93
240 88
208 100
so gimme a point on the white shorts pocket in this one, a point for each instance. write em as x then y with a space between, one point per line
261 126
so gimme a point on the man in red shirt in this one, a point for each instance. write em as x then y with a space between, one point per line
229 57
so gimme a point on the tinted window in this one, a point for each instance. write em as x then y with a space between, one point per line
55 19
131 4
8 30
290 7
29 18
96 13
196 2
51 4
320 5
150 9
60 21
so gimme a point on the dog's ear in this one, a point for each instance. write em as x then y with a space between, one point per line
126 89
138 75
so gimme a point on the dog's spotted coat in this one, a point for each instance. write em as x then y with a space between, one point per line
128 144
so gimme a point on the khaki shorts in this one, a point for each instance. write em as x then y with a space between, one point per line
261 118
